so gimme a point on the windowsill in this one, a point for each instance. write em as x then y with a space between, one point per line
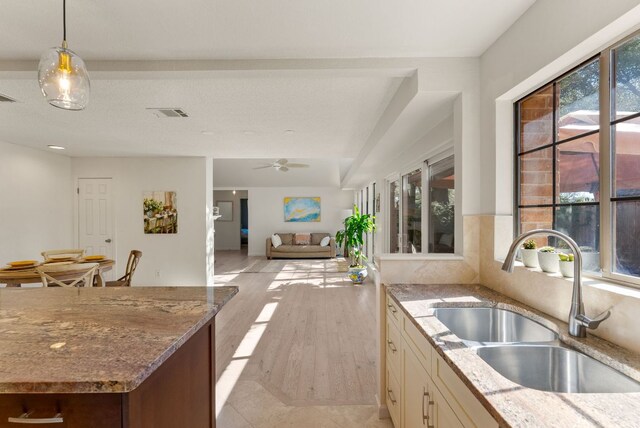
412 256
588 281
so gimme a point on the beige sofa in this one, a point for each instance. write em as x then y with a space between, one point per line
289 250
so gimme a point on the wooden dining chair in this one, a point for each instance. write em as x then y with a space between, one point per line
71 275
76 253
132 264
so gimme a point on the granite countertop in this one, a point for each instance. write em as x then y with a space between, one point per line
509 403
70 340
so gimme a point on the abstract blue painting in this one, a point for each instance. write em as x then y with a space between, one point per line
301 209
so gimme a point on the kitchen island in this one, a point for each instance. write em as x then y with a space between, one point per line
109 357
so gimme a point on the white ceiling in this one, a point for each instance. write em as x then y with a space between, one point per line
330 116
240 173
243 107
249 29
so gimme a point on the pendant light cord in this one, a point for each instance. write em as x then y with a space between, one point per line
64 20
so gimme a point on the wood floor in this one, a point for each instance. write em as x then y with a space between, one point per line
297 343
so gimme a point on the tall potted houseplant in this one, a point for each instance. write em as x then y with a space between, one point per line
352 236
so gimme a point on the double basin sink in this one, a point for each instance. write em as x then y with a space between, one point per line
530 354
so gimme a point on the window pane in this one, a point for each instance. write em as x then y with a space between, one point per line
536 177
394 216
579 101
412 212
626 257
582 223
536 120
626 152
442 207
626 62
578 170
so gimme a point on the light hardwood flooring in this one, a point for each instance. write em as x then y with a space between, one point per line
295 347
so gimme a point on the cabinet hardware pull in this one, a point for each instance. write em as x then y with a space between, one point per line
425 415
393 308
392 346
25 419
391 396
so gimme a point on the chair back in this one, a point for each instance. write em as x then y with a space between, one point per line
70 275
75 253
132 264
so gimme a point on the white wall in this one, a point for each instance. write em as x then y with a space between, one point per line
266 212
35 202
180 258
228 232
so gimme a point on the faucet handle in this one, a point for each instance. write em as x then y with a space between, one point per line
595 322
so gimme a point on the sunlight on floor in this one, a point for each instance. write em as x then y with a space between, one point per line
240 358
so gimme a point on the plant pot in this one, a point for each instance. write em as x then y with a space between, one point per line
566 269
549 262
357 274
591 261
529 258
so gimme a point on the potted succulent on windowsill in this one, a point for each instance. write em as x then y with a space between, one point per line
355 228
529 254
548 259
566 264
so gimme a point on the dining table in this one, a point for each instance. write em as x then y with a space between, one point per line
17 277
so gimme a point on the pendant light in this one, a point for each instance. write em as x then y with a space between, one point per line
62 75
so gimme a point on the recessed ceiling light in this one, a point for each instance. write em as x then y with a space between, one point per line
248 132
289 131
54 147
208 132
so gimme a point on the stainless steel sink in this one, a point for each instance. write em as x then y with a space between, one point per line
491 325
555 369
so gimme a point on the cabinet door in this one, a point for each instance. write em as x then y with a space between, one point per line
440 412
415 384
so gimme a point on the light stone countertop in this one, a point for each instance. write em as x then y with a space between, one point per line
71 340
513 405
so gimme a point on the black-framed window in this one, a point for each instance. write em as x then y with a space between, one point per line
578 160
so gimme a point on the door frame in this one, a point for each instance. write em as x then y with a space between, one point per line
76 210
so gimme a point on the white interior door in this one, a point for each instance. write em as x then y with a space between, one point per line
95 218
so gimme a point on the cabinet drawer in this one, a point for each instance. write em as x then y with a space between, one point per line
466 407
417 342
393 398
76 410
393 312
394 343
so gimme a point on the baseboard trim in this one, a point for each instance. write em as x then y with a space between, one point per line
383 410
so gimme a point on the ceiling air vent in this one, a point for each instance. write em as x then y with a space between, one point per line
168 112
6 99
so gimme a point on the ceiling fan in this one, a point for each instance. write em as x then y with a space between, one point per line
283 165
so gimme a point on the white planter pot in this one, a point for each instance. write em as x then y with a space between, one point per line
591 261
566 269
549 262
529 258
358 274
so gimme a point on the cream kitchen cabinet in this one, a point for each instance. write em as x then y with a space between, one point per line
422 390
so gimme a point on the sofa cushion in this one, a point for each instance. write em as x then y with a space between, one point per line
316 238
286 238
300 249
301 239
276 241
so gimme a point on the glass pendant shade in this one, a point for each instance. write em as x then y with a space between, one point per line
63 79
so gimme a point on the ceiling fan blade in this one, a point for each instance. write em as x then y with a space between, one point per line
283 169
297 165
282 161
263 167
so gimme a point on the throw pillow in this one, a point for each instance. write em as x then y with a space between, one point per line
325 241
276 241
287 238
302 239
